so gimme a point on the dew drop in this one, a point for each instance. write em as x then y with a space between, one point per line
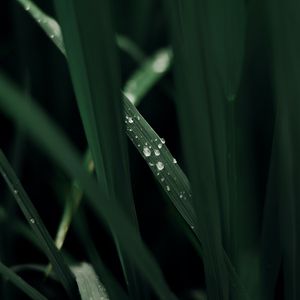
159 146
160 166
151 164
16 192
192 227
136 137
52 36
27 7
32 221
156 152
147 151
130 120
163 140
162 179
168 188
180 196
138 117
174 161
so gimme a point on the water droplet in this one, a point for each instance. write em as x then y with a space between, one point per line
32 221
16 192
162 179
138 117
130 120
180 196
160 166
147 151
151 164
156 152
136 137
27 7
192 227
163 140
168 188
174 161
39 20
159 146
139 145
52 36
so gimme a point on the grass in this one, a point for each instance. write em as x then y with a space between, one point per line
115 212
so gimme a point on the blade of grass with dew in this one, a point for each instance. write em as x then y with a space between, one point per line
53 30
135 88
92 58
208 41
90 287
59 149
20 283
283 25
60 267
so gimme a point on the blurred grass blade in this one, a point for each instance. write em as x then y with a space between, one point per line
60 267
59 149
52 29
92 58
148 75
20 283
283 24
114 289
90 287
48 24
208 42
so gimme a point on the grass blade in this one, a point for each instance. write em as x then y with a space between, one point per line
92 59
59 149
60 267
90 287
20 283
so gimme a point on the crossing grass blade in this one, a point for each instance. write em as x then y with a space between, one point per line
30 291
62 270
90 287
56 145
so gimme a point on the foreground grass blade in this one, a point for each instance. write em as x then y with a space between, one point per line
90 287
58 148
20 283
92 58
61 269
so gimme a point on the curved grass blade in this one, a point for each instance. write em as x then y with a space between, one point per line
90 287
62 270
59 149
53 30
20 283
147 75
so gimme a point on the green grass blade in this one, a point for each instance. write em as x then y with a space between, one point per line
59 149
283 24
90 287
33 218
53 30
92 59
114 289
208 41
150 72
20 283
